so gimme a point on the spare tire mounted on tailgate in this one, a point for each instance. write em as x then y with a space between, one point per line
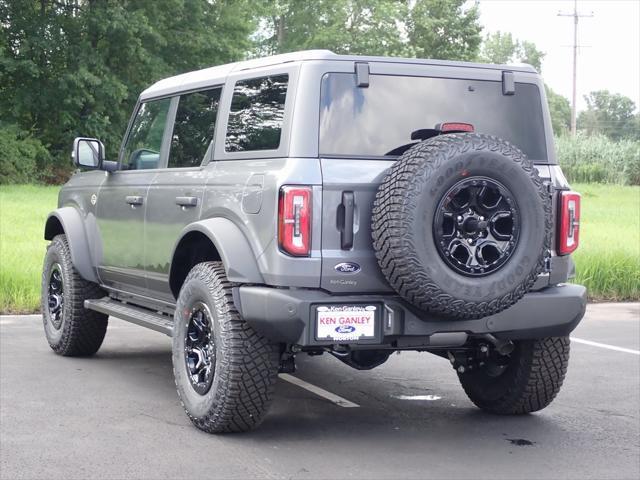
462 225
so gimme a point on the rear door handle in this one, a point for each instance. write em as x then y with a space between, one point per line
187 201
346 234
134 199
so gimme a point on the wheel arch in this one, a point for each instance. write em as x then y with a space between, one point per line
214 239
68 221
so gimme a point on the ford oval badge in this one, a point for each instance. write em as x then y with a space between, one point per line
347 267
345 329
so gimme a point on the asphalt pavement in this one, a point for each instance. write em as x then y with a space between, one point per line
117 415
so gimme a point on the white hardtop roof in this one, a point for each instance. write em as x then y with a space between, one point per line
199 78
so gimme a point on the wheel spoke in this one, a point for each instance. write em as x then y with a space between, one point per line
472 261
501 225
448 225
489 198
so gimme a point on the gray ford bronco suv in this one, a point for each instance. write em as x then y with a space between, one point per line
318 203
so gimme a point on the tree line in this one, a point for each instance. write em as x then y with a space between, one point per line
75 67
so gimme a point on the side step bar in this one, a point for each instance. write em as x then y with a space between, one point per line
139 316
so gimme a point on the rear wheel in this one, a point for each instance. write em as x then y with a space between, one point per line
225 372
71 330
526 381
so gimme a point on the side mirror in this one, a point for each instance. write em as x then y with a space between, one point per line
88 153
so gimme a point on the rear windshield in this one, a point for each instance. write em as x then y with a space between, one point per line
377 120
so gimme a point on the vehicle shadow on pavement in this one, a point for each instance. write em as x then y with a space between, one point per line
298 415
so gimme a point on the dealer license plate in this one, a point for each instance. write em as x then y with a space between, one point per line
346 322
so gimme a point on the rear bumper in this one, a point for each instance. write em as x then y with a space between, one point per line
286 315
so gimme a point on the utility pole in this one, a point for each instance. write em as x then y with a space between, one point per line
575 16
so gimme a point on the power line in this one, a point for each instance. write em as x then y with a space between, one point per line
575 16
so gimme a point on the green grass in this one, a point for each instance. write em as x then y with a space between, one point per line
23 211
608 260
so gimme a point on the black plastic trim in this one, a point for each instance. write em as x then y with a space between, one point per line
285 315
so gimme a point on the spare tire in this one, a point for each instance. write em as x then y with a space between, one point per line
462 225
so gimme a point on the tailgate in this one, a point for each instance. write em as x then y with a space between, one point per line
348 260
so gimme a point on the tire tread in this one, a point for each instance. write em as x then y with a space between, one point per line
540 369
249 365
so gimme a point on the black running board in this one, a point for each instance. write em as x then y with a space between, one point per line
140 316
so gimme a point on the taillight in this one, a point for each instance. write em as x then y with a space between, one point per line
294 220
569 222
451 127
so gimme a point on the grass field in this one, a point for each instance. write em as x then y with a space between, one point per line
23 211
608 260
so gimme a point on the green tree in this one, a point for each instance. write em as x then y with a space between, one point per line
529 53
444 29
343 26
501 47
75 67
611 114
498 47
560 110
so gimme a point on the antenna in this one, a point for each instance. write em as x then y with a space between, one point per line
575 16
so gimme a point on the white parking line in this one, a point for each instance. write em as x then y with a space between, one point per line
321 392
10 319
604 345
429 398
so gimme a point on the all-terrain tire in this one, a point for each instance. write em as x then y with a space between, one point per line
245 366
403 225
530 382
77 331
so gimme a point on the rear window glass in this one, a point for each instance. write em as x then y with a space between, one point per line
377 120
257 113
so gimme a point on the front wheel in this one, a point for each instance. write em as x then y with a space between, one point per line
225 371
528 381
71 330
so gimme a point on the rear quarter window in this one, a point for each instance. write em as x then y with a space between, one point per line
376 120
257 114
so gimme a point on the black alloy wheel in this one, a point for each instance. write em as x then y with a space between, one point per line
55 296
199 348
476 226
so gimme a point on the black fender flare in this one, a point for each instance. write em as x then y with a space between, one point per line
233 247
69 221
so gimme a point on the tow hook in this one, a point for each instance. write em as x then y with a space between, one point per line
503 347
287 365
288 360
464 360
469 359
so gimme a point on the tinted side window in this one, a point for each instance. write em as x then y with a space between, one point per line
142 149
257 113
193 130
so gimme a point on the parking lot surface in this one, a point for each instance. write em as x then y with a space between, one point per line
117 415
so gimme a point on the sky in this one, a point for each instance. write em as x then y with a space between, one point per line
611 56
